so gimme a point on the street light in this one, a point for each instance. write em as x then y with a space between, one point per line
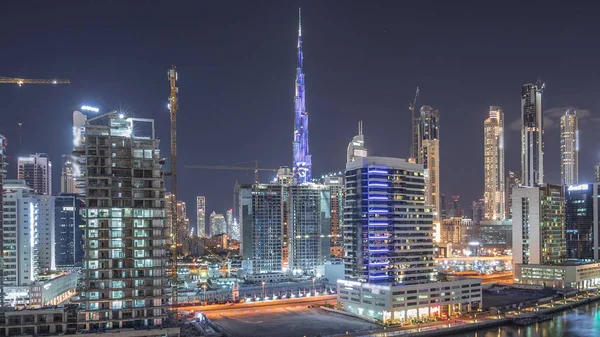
314 289
263 293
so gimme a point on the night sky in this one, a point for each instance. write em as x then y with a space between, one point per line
363 60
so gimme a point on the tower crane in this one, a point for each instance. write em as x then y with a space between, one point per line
234 167
21 81
412 107
173 105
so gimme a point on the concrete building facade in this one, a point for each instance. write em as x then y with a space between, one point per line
201 216
124 274
532 133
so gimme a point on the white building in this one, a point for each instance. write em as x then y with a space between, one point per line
573 275
538 224
356 148
67 180
532 135
218 225
20 230
46 231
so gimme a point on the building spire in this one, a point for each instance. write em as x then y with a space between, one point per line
302 158
360 128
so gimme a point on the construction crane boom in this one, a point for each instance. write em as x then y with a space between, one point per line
232 167
173 105
21 81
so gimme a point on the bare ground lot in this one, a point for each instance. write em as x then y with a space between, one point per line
294 322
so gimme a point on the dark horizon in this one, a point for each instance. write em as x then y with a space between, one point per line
237 62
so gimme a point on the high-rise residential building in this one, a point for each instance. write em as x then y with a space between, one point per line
429 155
261 212
356 148
493 164
512 181
376 197
67 182
309 228
124 269
569 148
218 225
389 248
532 133
201 216
36 170
229 221
336 206
44 216
597 172
538 224
21 240
67 231
582 214
182 220
302 158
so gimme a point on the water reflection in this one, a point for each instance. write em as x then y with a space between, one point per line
579 322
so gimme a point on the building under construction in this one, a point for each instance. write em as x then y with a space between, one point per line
124 275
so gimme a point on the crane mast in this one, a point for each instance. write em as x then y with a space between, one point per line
21 81
175 230
414 142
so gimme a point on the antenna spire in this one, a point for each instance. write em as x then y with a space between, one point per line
360 132
299 21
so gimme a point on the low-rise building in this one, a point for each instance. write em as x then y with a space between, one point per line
571 274
404 302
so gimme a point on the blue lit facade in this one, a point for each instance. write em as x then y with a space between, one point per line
388 229
67 231
302 158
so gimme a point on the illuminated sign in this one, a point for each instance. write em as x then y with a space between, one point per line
582 187
68 209
89 108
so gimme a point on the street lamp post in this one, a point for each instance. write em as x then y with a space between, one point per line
263 287
314 289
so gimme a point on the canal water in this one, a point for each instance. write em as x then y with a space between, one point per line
583 321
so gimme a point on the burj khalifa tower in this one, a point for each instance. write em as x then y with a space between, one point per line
302 158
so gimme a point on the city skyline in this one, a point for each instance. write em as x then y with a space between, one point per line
381 103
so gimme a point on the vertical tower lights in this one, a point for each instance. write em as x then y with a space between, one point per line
493 156
302 158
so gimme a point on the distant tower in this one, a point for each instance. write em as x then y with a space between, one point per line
67 180
512 181
36 170
356 148
532 142
597 172
569 148
429 154
493 164
200 215
302 158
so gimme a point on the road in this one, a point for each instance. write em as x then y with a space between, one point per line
211 310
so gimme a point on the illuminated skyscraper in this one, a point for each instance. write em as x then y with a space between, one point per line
597 172
356 148
429 155
532 132
201 215
36 170
302 158
569 148
493 164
